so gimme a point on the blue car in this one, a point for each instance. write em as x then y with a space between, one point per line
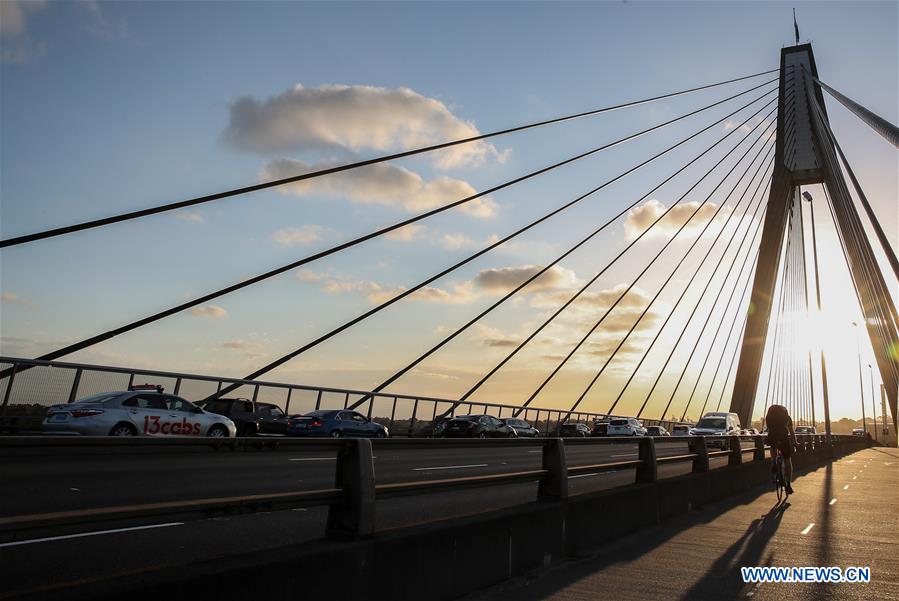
335 423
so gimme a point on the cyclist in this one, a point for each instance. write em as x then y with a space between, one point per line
781 436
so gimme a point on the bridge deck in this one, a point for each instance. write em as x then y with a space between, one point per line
698 556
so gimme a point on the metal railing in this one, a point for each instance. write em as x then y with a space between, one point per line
45 383
351 501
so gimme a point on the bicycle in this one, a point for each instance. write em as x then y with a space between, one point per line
780 481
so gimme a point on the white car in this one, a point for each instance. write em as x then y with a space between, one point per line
626 426
718 424
681 430
135 412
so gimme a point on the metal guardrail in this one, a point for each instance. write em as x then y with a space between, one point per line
351 502
55 382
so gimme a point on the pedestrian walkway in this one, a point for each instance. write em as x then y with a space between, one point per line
844 514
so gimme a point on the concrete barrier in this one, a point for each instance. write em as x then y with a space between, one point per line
447 559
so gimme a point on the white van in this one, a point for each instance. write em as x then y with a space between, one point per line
717 424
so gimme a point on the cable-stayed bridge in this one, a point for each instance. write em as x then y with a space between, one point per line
734 261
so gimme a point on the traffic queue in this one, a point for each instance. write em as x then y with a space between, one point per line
146 410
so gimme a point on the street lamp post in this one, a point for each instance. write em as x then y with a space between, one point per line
824 391
873 402
861 380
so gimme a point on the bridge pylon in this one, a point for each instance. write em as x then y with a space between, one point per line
805 153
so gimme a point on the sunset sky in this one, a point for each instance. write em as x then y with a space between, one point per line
111 107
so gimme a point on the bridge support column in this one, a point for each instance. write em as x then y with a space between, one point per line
554 487
648 471
354 516
736 451
701 461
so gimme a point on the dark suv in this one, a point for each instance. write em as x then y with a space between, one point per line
249 417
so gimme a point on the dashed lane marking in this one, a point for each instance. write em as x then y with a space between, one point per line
447 467
808 528
83 534
846 487
832 501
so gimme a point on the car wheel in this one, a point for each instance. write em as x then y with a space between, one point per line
123 430
380 434
217 431
482 435
336 434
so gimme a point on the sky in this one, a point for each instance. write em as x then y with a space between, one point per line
107 107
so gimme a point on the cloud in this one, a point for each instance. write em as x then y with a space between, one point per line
307 275
102 26
306 234
590 306
9 297
339 287
642 217
383 184
408 233
191 216
14 15
17 44
355 118
212 311
504 279
241 345
457 241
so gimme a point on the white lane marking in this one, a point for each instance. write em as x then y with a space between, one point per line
312 459
854 477
83 534
808 528
832 501
888 463
590 474
75 489
542 451
447 467
851 461
625 455
846 487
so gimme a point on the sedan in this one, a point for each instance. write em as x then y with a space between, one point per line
521 427
574 431
335 423
626 426
681 430
600 428
133 413
477 426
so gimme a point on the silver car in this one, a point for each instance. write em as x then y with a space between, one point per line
135 413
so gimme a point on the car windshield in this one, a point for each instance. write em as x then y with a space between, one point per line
468 418
318 414
98 398
618 422
714 423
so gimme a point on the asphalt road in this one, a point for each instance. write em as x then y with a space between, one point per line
35 484
843 515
